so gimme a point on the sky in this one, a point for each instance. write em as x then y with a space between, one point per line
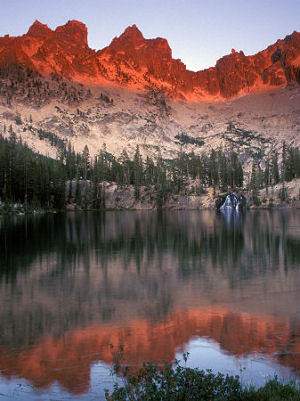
199 32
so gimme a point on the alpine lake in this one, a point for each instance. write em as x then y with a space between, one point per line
224 287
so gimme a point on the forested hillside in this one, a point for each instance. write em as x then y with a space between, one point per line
35 181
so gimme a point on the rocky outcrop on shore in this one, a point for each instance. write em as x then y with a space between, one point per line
116 197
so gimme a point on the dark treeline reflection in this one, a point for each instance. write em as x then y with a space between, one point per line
65 271
222 240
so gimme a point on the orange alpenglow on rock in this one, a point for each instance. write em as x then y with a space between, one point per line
39 30
44 362
138 63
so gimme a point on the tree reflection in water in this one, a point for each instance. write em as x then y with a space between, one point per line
73 283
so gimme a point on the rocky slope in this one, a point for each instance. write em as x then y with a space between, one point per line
124 119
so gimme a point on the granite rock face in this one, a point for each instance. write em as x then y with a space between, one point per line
141 64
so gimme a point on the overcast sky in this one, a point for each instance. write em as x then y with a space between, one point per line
199 32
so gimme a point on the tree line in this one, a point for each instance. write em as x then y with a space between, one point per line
274 171
37 181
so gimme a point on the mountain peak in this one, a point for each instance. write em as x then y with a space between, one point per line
132 33
38 30
75 30
141 63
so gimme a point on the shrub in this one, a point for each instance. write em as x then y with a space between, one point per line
273 390
180 383
153 383
186 139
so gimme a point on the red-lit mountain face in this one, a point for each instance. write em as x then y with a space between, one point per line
141 64
130 93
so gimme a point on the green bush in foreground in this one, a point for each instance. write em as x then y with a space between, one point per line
179 383
273 390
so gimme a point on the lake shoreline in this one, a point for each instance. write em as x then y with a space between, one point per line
115 198
153 209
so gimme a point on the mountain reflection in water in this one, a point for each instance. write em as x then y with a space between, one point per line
73 284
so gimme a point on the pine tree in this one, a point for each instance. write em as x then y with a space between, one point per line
138 172
125 164
213 169
274 168
85 162
254 179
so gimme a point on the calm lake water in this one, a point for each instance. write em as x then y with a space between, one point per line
224 288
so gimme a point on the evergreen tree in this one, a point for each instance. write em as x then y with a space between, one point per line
213 169
274 168
137 172
85 163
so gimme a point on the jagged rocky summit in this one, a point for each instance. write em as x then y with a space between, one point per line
142 64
